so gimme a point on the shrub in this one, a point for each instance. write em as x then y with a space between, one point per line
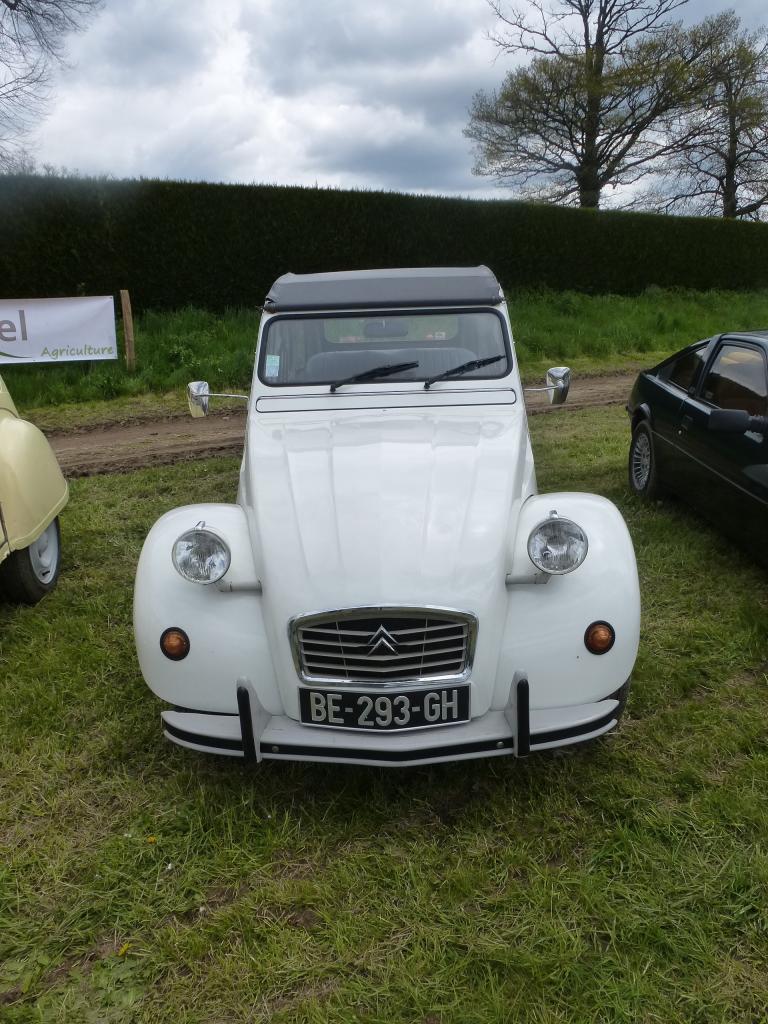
174 243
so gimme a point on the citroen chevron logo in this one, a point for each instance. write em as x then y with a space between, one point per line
382 642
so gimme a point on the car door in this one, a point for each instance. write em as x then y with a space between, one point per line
673 382
726 474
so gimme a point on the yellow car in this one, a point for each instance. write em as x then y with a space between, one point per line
32 493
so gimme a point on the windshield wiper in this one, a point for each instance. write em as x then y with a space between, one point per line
473 364
377 371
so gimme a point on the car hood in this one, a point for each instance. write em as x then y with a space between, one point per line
361 508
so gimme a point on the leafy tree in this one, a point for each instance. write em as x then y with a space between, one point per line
721 162
32 40
586 113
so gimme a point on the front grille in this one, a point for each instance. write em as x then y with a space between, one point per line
383 645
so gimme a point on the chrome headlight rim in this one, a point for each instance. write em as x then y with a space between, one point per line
209 533
563 521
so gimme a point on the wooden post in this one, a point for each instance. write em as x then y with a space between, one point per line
130 352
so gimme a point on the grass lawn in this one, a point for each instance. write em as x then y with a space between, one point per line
620 882
588 332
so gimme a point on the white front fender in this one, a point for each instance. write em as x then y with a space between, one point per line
223 621
546 621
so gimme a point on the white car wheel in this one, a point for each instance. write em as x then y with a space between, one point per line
44 554
26 576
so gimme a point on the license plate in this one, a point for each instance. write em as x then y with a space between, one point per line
385 712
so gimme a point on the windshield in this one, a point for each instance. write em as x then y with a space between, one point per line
298 350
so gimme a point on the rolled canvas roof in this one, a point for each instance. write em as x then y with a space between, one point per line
384 289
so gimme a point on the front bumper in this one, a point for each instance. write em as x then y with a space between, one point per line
253 734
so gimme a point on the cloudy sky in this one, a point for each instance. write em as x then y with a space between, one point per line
334 93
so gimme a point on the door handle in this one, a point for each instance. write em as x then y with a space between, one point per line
685 423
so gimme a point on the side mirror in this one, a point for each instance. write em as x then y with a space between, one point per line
558 383
736 421
198 393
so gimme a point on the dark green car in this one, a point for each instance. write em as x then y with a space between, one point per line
700 429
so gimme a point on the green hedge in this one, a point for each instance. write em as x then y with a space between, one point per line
216 246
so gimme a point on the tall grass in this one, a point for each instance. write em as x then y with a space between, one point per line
566 325
605 330
622 882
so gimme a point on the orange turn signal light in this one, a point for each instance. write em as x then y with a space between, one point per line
174 643
599 637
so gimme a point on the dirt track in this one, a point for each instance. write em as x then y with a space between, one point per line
158 442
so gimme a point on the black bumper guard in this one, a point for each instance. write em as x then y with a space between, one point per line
525 739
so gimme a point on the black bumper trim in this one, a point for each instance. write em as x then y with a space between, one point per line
394 756
573 730
202 741
422 754
360 755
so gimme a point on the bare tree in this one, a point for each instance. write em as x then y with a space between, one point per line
32 40
721 166
587 112
18 161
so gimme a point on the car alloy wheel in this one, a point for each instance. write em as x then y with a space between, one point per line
643 477
641 462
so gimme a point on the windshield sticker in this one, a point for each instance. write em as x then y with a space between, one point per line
272 366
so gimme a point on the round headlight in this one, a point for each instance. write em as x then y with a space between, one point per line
201 556
557 546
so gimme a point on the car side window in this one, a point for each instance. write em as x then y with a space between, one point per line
737 379
683 371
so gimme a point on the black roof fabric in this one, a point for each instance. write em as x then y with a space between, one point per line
384 289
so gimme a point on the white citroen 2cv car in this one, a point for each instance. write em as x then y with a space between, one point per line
389 588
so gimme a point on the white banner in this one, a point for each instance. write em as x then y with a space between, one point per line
57 330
